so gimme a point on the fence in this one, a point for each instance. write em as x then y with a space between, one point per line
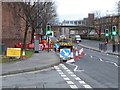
115 47
102 46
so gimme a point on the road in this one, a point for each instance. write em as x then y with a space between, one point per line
93 70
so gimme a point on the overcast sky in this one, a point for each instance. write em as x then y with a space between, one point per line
79 9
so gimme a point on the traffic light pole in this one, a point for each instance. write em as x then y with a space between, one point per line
113 39
48 43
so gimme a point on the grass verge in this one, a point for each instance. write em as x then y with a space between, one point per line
4 59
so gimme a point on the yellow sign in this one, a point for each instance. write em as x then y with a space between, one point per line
13 52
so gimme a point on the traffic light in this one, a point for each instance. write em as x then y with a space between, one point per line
106 32
48 30
114 31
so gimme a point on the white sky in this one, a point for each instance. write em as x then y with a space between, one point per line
79 9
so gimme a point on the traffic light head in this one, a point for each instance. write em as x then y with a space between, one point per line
48 28
106 32
114 32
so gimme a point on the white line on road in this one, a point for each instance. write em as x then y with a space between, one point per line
75 69
69 82
87 86
100 59
64 75
91 56
82 82
73 86
73 75
115 64
66 78
77 78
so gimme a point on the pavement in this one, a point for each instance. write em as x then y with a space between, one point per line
95 46
38 61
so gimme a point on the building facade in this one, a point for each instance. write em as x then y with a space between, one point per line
107 22
13 26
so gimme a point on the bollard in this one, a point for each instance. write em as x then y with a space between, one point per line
113 50
119 47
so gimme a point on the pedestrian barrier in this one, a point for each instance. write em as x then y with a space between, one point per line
102 46
116 47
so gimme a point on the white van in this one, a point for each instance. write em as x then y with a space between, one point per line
77 38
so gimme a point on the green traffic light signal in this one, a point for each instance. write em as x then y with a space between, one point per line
48 29
114 32
106 32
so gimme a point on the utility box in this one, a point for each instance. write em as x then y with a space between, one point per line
36 46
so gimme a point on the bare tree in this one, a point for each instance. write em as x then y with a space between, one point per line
97 13
36 15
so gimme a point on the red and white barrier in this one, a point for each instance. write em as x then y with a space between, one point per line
81 52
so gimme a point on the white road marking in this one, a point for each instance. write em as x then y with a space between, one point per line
68 70
77 78
85 54
63 75
66 78
91 56
73 75
69 82
59 70
117 56
100 59
109 62
56 67
75 69
62 64
115 64
82 82
87 86
73 86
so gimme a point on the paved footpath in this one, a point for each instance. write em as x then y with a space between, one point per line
94 45
38 61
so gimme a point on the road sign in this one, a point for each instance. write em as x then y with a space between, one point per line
65 53
57 45
13 52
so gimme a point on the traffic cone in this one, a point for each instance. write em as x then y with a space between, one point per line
81 52
76 55
23 55
71 58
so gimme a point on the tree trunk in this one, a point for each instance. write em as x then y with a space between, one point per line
32 34
25 37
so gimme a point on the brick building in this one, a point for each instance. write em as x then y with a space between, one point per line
12 25
106 23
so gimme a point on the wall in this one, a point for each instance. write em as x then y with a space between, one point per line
12 25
